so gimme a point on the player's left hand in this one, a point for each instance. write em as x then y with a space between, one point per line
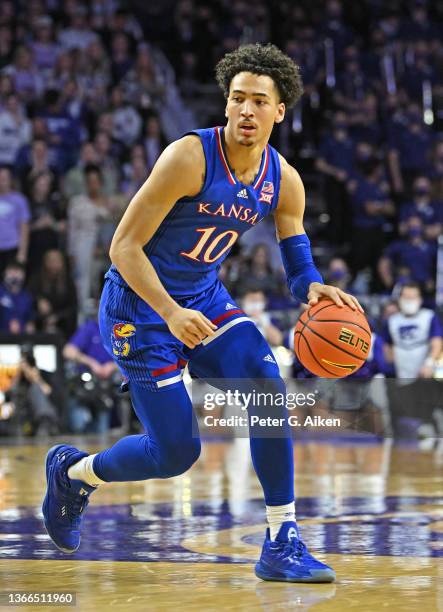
318 291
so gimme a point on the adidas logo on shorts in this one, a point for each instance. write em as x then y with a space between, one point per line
229 306
269 358
242 194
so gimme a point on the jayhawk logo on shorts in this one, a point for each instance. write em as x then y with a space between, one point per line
121 332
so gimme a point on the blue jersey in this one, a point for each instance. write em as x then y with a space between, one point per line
196 236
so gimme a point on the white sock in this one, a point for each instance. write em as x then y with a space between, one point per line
82 470
277 515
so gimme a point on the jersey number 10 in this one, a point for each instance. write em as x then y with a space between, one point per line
204 249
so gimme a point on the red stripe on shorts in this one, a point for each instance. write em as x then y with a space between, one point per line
225 315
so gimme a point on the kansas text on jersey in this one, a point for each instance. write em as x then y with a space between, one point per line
196 236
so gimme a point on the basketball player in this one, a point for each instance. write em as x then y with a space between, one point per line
163 307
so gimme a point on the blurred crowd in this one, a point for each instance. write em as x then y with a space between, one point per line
83 92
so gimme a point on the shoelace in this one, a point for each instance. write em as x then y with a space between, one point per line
75 503
294 547
74 507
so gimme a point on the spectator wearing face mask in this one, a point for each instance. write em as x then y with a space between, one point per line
338 274
16 303
372 209
335 162
410 142
423 206
413 343
253 303
413 253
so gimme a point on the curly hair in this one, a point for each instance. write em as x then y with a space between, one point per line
262 59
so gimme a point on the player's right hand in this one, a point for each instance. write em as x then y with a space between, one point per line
190 326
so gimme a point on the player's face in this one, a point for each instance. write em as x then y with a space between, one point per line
252 108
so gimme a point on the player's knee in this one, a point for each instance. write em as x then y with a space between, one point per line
178 459
274 385
270 394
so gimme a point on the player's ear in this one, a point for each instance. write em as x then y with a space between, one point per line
280 113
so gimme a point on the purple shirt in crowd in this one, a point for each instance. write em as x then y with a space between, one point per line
15 306
88 340
14 211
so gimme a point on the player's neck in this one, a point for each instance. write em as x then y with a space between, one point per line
240 157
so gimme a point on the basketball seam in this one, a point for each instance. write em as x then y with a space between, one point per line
335 345
319 310
340 321
298 346
306 312
316 360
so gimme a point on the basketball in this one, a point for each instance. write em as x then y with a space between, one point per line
332 341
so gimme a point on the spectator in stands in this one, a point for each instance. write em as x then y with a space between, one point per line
78 35
35 160
28 82
338 274
64 71
140 85
335 162
364 125
55 295
153 142
424 207
413 343
253 303
95 75
135 172
16 303
371 209
127 123
47 226
410 142
35 395
14 222
89 411
414 253
44 47
89 232
74 181
106 161
352 83
64 131
420 70
122 20
15 129
122 60
257 270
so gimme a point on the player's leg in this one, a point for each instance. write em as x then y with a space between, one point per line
240 358
162 405
170 446
236 361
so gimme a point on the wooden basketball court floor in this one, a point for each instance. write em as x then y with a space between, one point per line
374 511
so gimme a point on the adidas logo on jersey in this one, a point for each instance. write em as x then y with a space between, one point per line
242 194
229 306
269 358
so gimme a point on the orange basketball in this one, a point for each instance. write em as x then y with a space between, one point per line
330 341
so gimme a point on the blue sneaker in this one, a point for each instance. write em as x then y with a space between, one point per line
65 499
287 559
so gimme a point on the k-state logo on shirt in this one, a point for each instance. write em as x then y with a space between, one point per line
408 332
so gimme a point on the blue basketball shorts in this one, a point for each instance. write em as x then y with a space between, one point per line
149 355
